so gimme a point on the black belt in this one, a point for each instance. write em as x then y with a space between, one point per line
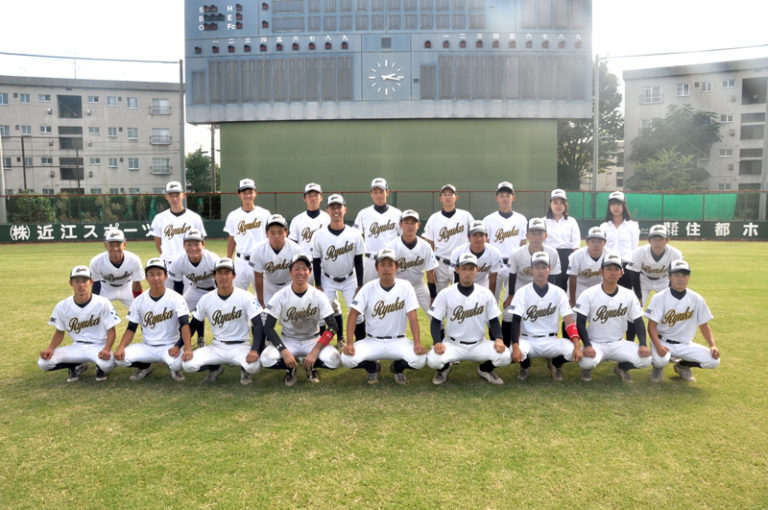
232 342
246 257
675 342
387 337
370 255
444 261
540 336
653 277
505 260
206 288
462 342
338 279
115 284
81 342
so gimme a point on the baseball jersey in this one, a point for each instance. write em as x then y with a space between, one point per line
299 315
506 233
337 252
88 323
274 266
159 320
488 262
650 269
247 227
129 270
520 264
677 319
465 316
585 268
447 233
378 229
171 227
230 318
623 239
540 314
412 263
385 311
200 275
608 315
303 228
563 234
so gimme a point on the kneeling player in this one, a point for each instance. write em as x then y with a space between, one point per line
90 321
673 316
385 303
231 311
300 308
466 308
162 313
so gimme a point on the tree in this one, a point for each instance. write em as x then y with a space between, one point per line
668 170
198 166
575 137
24 208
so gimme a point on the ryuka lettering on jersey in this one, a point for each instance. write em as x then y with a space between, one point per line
403 263
376 229
271 267
533 313
295 315
197 278
459 314
588 273
332 253
484 268
672 317
76 326
502 235
219 318
604 313
654 270
307 233
244 227
169 231
113 278
381 309
151 320
446 233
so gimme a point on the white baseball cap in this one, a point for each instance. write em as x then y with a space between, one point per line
505 186
386 253
448 186
379 182
194 235
246 184
537 224
83 271
335 199
155 262
679 266
538 257
467 258
596 233
224 263
312 186
277 219
409 213
658 231
174 187
612 260
477 226
558 193
114 235
617 195
298 257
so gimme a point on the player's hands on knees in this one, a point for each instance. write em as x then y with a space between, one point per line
288 358
349 348
172 352
252 357
577 354
419 349
589 352
120 354
499 346
517 354
715 352
188 355
309 360
643 351
105 353
46 354
661 349
439 348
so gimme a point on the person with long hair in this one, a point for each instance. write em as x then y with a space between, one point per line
563 234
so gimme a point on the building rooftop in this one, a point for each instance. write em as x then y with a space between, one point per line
34 81
710 67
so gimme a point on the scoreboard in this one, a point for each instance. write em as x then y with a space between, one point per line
256 60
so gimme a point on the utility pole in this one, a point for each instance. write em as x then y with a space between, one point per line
596 135
3 213
23 163
764 169
182 153
213 158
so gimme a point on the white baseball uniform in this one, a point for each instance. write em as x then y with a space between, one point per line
653 272
447 232
490 261
337 262
303 228
171 227
676 323
386 315
87 326
540 322
505 232
412 262
248 228
379 230
199 276
116 281
520 266
274 266
585 268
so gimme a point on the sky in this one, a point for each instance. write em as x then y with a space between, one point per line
154 30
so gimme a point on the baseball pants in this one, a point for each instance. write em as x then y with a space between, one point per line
686 352
646 287
328 355
369 268
347 289
269 289
78 353
219 353
375 349
502 280
243 273
192 296
480 351
620 350
145 353
422 295
549 348
124 293
443 274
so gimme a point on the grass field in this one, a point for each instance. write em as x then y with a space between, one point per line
343 443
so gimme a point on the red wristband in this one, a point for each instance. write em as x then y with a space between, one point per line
136 293
326 337
572 331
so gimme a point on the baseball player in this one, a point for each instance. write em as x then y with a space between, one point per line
299 308
506 231
90 321
162 314
520 272
271 258
673 315
117 273
563 233
337 261
609 308
446 230
650 263
584 264
414 258
467 309
536 310
233 313
385 303
246 228
379 224
196 266
169 227
305 224
489 260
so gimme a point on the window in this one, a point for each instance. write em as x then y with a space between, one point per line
161 136
133 133
26 130
651 95
24 98
725 118
726 153
111 100
682 89
46 130
93 99
112 132
3 98
46 161
134 191
29 162
94 130
619 179
6 163
95 191
752 132
728 84
704 86
70 107
724 186
645 126
753 90
160 106
47 191
5 130
161 166
133 164
159 191
114 191
44 98
112 162
746 118
95 161
71 174
133 103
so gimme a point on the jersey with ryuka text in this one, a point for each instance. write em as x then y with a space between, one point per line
303 228
299 314
466 317
129 270
607 316
199 275
171 228
274 265
488 262
585 268
677 319
652 271
248 228
88 323
378 229
448 233
159 319
230 317
337 252
385 311
412 263
520 264
506 234
540 314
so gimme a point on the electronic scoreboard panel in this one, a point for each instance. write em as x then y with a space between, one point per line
384 59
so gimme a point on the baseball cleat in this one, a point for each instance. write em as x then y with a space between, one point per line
101 375
491 376
623 374
656 375
75 373
684 373
523 374
290 377
373 377
245 377
441 375
142 373
340 343
200 342
313 376
586 375
177 375
400 378
214 374
557 374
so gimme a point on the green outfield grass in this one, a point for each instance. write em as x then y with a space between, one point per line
467 444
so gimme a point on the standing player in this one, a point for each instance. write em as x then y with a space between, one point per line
673 315
650 263
379 224
467 309
246 228
609 308
414 258
520 272
489 261
117 273
305 224
584 264
337 262
169 226
506 231
562 233
271 258
300 308
446 230
90 321
162 314
234 314
385 303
